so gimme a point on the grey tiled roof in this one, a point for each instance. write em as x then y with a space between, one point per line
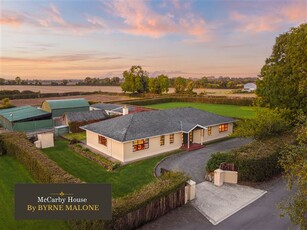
86 115
113 107
153 123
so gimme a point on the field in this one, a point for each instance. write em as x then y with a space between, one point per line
12 172
93 97
235 111
110 89
124 180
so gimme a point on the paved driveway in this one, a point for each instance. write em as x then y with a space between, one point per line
193 163
262 214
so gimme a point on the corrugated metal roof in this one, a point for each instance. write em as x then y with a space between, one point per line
158 122
86 116
68 103
22 113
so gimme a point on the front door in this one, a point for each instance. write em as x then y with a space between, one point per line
185 138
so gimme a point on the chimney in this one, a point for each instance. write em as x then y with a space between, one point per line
125 110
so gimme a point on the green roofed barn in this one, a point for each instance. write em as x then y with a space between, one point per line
25 118
59 107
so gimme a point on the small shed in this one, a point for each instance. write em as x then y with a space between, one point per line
59 107
45 140
25 118
76 119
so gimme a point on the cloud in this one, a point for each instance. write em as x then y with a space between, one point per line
138 18
57 58
271 18
9 18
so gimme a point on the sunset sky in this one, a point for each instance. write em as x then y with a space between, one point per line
72 39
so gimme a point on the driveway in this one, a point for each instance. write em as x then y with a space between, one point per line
261 214
193 163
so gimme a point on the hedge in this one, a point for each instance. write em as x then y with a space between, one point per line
257 161
105 163
39 165
206 99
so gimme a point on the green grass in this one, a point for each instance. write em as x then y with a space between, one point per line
12 172
78 136
124 180
235 111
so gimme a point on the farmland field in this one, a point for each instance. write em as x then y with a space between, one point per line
92 97
235 111
12 172
110 89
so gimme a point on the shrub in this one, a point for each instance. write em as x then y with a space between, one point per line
257 161
218 158
267 123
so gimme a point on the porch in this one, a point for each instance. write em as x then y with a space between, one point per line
193 139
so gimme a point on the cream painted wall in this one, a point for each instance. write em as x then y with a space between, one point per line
46 139
113 148
154 147
197 136
215 134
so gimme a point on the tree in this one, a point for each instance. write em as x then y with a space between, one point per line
135 80
6 103
159 84
18 80
2 81
283 79
293 161
267 123
189 87
64 82
180 85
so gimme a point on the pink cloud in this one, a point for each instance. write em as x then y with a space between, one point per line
9 18
290 12
139 19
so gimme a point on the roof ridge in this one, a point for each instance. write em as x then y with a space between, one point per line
130 122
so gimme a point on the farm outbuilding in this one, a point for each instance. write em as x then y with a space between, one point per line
25 118
59 107
76 119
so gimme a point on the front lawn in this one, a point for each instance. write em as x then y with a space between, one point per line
235 111
124 180
11 173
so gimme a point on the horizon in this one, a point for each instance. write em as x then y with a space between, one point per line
55 40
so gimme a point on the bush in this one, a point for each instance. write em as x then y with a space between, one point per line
267 123
218 158
39 165
257 161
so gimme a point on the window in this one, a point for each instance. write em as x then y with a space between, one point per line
162 140
140 144
191 136
223 128
102 140
209 131
171 138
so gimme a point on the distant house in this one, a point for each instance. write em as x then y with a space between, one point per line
25 119
59 107
113 109
135 136
76 119
250 87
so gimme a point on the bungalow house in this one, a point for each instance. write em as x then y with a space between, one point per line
250 87
135 136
